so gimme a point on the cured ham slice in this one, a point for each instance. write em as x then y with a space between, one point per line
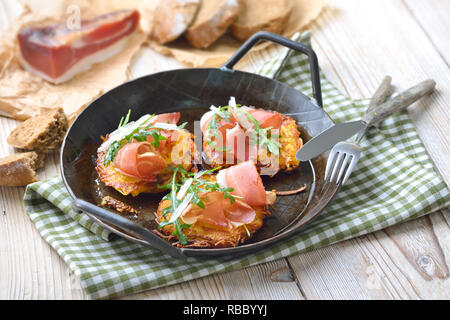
172 117
246 182
219 211
170 135
57 53
222 124
265 118
137 160
239 138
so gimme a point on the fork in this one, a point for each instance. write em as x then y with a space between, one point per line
345 155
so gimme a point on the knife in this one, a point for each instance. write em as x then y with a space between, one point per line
376 112
328 138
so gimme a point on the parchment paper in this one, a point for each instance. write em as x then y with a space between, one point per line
23 95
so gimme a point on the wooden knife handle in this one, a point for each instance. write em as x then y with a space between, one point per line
400 102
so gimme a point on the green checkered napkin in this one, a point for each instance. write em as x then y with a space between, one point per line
394 182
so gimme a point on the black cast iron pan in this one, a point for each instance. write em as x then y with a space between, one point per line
192 91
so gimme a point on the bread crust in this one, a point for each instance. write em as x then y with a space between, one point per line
212 21
248 23
42 132
18 170
172 18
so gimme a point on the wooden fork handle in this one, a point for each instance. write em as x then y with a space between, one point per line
400 102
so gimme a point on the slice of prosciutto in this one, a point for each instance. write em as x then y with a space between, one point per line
235 133
171 117
219 211
246 182
138 160
57 53
170 135
265 118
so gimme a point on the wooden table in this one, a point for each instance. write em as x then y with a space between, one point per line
357 43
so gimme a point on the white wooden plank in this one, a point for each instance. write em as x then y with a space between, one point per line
434 17
356 49
250 283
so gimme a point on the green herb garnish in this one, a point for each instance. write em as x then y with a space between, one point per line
124 121
139 134
263 136
112 152
198 185
212 131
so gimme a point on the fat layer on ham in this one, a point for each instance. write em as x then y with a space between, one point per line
57 53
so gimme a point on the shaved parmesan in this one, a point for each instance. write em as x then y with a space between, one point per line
122 132
240 116
181 208
184 188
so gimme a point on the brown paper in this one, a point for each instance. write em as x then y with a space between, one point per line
23 95
303 13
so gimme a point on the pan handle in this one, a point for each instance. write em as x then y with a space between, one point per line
264 35
129 226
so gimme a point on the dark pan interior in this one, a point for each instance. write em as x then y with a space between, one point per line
192 91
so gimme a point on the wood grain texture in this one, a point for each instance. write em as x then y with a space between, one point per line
357 44
433 16
357 50
408 261
250 283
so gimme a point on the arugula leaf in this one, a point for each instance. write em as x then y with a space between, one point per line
111 153
124 121
142 135
263 136
198 185
139 134
212 130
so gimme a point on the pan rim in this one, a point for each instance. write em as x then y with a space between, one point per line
213 252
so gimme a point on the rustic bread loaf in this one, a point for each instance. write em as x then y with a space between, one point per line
212 21
172 18
261 15
19 169
42 132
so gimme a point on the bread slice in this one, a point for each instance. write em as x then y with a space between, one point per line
261 15
172 18
19 169
42 132
212 20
